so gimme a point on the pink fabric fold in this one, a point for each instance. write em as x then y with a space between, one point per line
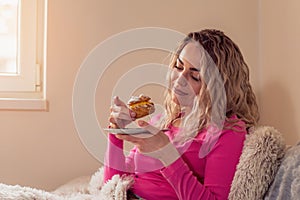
189 177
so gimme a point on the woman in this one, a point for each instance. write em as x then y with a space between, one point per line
209 107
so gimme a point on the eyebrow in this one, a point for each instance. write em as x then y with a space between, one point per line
192 68
181 62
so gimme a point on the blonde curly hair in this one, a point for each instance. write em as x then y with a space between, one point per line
224 93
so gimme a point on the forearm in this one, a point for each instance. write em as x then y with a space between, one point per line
179 175
220 165
115 160
185 184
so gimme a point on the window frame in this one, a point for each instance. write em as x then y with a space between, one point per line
26 89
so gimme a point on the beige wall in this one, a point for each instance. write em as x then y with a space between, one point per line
42 149
279 71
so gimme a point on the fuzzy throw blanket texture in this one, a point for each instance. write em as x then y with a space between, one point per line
78 189
262 154
287 181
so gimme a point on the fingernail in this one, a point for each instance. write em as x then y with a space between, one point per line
132 114
141 123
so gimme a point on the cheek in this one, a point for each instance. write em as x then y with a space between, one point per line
196 88
174 76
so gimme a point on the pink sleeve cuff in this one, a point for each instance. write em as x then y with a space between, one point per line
114 140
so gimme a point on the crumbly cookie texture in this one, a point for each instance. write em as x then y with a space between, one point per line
141 105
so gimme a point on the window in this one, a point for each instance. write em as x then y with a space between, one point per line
22 51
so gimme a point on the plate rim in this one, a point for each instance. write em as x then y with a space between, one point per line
125 131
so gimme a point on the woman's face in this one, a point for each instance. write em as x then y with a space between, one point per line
185 76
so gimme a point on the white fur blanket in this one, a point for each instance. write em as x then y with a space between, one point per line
115 189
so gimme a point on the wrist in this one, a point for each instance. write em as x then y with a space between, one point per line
112 137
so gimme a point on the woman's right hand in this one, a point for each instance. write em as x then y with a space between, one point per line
120 114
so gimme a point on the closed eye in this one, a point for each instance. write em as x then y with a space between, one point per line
195 78
179 68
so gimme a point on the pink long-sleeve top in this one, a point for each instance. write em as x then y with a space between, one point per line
189 177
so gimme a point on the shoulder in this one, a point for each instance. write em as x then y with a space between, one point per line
234 126
233 132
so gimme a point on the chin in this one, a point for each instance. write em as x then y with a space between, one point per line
184 101
176 102
181 103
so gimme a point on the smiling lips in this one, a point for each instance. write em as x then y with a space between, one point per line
179 92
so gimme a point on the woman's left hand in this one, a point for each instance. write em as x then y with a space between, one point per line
147 143
156 145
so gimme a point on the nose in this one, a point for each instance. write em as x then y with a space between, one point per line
181 80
